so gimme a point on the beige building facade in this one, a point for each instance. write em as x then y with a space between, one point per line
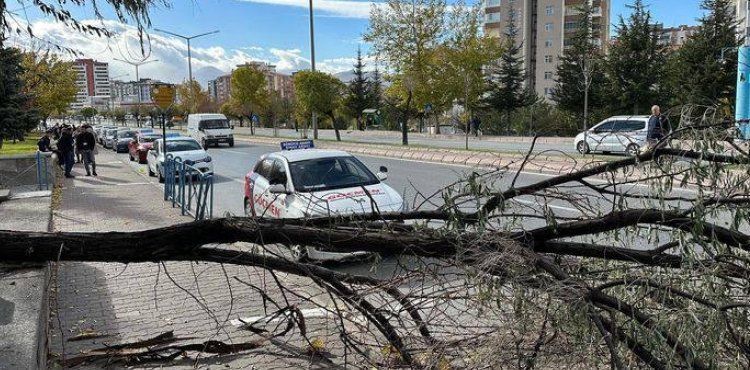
220 89
544 26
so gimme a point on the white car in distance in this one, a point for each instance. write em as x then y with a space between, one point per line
619 134
186 148
304 183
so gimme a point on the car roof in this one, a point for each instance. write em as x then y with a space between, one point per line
175 138
305 154
628 117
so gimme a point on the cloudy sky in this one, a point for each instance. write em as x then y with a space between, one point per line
275 31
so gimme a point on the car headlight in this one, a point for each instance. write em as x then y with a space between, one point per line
207 159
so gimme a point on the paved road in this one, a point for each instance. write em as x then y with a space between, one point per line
491 143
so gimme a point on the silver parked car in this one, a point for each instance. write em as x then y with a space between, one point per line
619 134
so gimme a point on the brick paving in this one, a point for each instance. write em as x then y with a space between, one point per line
138 301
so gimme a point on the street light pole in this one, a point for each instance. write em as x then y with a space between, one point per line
190 57
312 64
137 85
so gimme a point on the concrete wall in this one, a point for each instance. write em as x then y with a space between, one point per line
21 170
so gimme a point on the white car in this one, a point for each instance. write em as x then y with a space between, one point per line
623 134
312 183
185 148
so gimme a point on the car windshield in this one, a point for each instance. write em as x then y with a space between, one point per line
330 173
212 124
182 145
130 134
111 132
148 139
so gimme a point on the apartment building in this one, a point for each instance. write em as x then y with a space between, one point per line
544 28
92 79
675 37
129 94
220 89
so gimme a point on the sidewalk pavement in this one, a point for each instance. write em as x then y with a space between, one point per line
23 289
115 303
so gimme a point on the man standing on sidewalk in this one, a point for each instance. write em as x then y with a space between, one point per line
65 147
658 125
86 145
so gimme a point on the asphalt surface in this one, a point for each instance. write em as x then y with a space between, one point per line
488 143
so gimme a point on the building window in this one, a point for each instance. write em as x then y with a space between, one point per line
492 17
550 10
570 26
547 75
548 27
493 3
548 59
548 43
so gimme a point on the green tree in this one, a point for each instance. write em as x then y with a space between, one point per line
405 34
192 99
321 93
88 113
249 94
375 90
581 82
635 63
699 74
50 82
17 115
119 114
358 96
506 88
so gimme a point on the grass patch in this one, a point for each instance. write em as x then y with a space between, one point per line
19 147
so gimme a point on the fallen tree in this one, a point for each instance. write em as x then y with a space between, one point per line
640 261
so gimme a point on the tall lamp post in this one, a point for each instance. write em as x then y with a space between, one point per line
138 85
190 57
312 64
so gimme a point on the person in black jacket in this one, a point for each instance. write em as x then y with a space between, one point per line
65 147
44 143
85 144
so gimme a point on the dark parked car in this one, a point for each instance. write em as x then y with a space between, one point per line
122 140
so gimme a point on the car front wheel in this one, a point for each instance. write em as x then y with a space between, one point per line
583 147
633 150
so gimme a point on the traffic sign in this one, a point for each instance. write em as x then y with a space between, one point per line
163 95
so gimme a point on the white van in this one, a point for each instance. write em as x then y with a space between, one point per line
210 128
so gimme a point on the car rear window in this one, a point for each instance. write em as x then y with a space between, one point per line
182 145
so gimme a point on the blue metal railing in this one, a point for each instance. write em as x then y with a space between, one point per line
42 174
188 188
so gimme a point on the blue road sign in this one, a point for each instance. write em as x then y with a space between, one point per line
299 144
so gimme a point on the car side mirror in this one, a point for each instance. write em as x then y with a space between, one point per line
383 169
277 189
232 127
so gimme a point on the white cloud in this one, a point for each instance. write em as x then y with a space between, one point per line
170 52
341 8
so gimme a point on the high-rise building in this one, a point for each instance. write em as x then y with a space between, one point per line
131 94
220 89
93 84
544 28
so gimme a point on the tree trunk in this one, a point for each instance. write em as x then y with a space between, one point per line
335 126
405 121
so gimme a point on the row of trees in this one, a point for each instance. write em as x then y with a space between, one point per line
637 72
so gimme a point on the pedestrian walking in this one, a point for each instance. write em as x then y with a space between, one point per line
658 127
77 131
66 148
86 146
475 123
